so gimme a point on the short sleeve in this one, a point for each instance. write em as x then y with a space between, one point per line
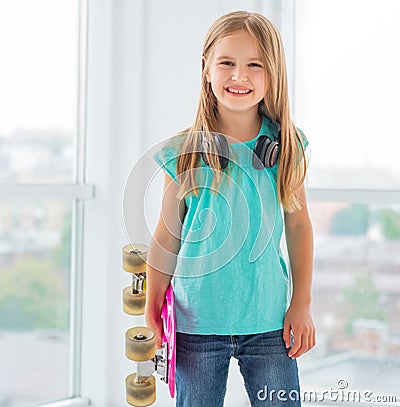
167 159
303 138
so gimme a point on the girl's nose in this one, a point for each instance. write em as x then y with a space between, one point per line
239 75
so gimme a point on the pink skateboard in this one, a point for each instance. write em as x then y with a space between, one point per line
169 338
140 340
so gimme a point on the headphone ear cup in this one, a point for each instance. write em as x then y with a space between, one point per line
222 147
204 146
259 150
223 150
271 156
265 153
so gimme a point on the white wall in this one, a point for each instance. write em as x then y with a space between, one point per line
143 86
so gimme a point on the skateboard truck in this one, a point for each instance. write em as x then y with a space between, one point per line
134 261
138 281
159 364
162 362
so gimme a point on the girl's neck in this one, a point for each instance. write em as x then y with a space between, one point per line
240 126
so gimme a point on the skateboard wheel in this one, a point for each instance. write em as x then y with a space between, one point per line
134 258
139 344
140 394
133 303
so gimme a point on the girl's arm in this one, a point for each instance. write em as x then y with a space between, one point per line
161 258
300 244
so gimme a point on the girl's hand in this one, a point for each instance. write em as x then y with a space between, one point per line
154 322
298 323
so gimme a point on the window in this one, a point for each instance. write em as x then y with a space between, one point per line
346 100
41 198
38 41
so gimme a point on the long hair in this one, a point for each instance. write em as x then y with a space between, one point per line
275 105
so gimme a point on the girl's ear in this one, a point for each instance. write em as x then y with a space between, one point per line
205 69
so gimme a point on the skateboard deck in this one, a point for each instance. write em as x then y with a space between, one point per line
169 337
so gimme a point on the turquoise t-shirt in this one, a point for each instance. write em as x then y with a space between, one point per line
230 277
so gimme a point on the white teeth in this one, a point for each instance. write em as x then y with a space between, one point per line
238 91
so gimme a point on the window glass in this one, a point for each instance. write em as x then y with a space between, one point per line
35 246
38 82
347 88
356 298
38 120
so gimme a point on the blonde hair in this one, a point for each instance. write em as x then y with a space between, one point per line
275 105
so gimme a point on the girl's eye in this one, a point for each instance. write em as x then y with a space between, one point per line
255 65
228 63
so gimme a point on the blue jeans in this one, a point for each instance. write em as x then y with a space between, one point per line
202 364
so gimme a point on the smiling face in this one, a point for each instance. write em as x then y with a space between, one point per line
237 74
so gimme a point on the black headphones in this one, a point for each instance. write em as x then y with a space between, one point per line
265 152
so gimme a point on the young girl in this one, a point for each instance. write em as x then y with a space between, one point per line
233 181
